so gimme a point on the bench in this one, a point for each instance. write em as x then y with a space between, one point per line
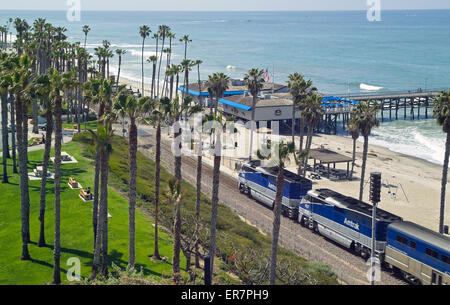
86 196
73 183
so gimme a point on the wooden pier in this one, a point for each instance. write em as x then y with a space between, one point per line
394 106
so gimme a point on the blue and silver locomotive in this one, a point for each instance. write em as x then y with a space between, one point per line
345 220
260 183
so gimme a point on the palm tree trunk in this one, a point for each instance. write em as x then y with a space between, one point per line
302 132
157 181
5 147
23 182
214 206
143 41
153 79
177 220
276 224
48 146
253 123
353 158
57 242
363 167
104 157
444 184
293 123
35 118
118 72
160 61
13 133
177 242
132 193
197 207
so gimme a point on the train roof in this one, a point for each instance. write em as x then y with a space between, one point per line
289 177
339 200
422 233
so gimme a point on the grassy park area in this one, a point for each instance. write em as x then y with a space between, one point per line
76 228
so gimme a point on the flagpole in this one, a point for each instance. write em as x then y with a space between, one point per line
273 78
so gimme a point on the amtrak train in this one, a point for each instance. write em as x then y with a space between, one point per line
420 255
260 183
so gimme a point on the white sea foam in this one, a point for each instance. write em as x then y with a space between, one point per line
369 87
139 53
230 67
422 139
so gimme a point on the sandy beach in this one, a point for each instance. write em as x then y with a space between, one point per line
411 186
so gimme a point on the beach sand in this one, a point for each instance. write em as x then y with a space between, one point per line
411 186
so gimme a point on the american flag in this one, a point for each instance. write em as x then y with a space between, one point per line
266 76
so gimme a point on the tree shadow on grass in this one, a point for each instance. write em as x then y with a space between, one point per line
116 258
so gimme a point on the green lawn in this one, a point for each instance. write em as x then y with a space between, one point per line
89 125
76 228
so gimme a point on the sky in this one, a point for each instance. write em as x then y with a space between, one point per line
220 5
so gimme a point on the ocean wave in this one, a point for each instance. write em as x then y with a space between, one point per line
230 67
139 53
369 87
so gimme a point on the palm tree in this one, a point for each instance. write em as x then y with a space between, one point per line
160 111
134 109
162 31
353 129
216 146
311 115
299 89
86 30
102 139
441 110
197 63
43 90
120 53
278 155
186 40
177 109
186 66
254 81
65 82
4 85
153 59
365 116
144 32
20 79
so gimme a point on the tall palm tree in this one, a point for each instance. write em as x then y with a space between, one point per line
144 32
365 116
441 111
153 60
58 83
4 85
353 129
312 113
20 79
120 53
197 63
185 40
299 89
278 155
134 109
163 30
86 30
102 138
160 111
43 89
186 66
254 80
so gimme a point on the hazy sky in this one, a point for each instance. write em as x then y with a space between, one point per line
222 4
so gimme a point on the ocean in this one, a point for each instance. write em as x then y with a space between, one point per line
342 52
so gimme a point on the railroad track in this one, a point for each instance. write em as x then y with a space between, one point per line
349 268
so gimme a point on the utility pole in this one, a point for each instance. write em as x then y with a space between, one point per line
375 190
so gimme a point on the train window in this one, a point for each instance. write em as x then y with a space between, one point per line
402 239
431 252
445 259
412 244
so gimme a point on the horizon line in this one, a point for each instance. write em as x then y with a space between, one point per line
228 10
